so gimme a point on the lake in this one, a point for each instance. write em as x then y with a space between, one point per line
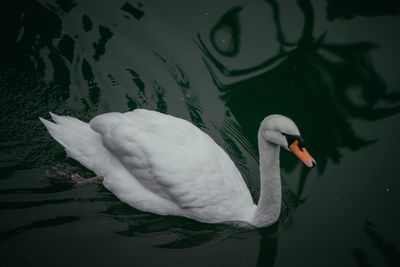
331 66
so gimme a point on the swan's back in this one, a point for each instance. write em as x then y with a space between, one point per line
176 166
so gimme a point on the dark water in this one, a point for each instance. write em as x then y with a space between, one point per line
332 66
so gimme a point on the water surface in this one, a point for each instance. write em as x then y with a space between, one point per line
332 66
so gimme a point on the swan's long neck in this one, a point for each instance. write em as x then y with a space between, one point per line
269 204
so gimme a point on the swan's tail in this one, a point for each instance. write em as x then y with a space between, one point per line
78 139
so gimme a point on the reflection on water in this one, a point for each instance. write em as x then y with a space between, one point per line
337 9
81 59
39 224
385 247
319 84
225 35
168 233
182 80
187 233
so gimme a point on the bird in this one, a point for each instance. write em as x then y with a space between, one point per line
165 165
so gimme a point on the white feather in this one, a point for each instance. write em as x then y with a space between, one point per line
161 164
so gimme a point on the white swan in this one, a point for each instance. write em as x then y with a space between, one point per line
165 165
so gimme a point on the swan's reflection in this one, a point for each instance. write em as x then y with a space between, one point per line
187 234
166 233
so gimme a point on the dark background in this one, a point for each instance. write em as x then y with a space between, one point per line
332 66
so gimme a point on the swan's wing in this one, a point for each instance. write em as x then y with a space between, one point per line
175 160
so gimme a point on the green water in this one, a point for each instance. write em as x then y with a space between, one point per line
332 66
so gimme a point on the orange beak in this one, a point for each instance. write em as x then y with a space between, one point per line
302 154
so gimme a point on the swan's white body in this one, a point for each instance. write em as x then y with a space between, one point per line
165 165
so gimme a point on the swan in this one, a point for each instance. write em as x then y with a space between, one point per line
165 165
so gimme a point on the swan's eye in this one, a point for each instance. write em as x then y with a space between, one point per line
291 138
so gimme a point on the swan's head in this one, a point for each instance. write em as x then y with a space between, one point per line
282 131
